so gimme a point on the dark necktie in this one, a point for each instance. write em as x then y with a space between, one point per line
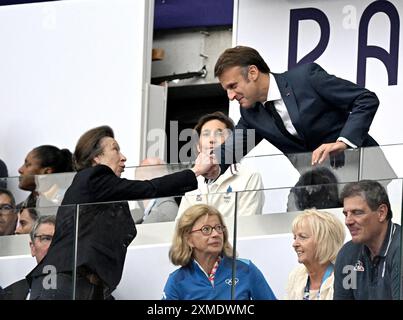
279 122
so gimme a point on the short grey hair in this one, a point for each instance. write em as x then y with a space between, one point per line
51 219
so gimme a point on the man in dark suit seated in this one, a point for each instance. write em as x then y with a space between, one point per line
41 237
302 110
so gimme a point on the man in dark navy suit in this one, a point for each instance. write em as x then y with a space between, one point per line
301 110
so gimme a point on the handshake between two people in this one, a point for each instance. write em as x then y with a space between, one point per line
206 164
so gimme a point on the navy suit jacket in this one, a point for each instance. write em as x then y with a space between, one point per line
322 108
105 227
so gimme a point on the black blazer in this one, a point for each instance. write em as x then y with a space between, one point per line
105 229
16 291
322 108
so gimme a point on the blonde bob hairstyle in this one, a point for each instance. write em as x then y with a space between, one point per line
327 230
180 252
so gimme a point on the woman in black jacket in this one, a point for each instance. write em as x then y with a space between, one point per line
105 230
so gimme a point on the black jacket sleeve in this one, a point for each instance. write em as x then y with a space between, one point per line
106 186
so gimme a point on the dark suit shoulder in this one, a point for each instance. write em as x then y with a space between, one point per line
91 174
94 171
306 68
86 183
17 290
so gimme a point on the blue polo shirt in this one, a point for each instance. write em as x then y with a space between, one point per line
191 283
364 278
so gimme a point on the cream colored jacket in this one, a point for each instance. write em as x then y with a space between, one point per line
297 282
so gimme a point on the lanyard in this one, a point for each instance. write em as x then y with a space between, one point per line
213 271
327 274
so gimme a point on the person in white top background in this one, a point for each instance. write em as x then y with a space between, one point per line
159 209
212 130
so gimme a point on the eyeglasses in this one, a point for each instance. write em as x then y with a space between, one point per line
6 209
44 238
207 229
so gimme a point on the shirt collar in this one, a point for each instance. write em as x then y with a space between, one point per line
201 268
388 239
232 170
274 92
386 242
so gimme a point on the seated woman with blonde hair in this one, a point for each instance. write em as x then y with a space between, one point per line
318 237
200 246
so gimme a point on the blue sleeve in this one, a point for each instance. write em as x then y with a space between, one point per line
260 289
170 290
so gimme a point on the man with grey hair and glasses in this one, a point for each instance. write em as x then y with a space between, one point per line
41 237
368 266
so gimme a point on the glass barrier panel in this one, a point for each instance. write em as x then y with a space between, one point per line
394 154
266 171
196 228
3 182
262 213
39 191
381 162
11 184
116 257
264 239
261 240
146 211
284 171
36 260
351 165
268 241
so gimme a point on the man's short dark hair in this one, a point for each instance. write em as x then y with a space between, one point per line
218 115
9 194
371 191
239 56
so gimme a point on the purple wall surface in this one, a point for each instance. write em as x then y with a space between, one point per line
171 14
